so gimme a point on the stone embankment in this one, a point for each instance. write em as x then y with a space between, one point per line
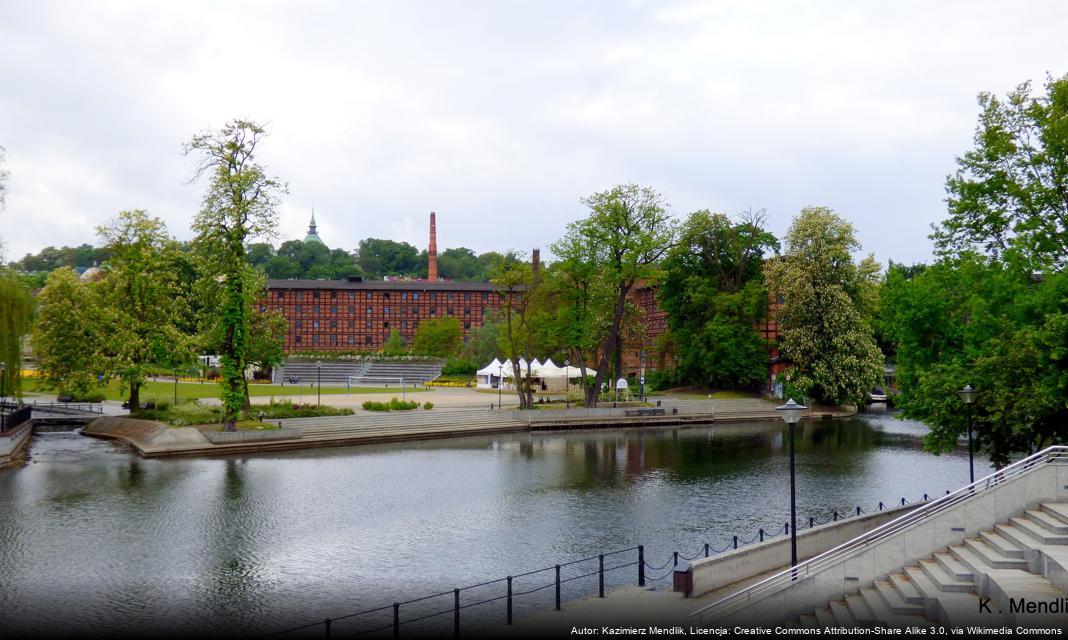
152 439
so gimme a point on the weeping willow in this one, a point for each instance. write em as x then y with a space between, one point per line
16 308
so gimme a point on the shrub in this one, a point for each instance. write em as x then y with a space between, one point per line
400 405
88 396
428 405
459 367
371 405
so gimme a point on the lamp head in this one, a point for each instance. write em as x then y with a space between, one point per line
318 364
791 411
967 394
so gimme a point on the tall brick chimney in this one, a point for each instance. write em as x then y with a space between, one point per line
535 259
432 251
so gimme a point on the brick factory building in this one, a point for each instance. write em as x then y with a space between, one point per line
358 315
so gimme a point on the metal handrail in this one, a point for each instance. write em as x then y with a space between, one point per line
783 579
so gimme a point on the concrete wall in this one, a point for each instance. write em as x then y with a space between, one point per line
724 569
232 437
1043 483
13 442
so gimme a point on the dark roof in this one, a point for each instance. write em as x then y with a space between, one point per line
390 285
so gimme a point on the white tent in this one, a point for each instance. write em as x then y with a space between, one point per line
488 377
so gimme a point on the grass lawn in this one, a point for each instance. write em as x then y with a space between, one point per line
695 394
155 390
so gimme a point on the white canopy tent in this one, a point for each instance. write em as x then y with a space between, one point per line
488 376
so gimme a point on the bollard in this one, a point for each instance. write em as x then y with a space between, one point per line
786 528
880 506
456 613
641 565
735 542
858 511
509 599
834 516
761 532
600 576
902 502
396 619
706 549
641 582
925 497
811 522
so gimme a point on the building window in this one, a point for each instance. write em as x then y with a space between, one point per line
297 309
385 310
367 340
333 309
333 324
415 296
385 325
315 339
485 297
333 341
297 339
352 339
433 313
467 311
352 324
315 324
280 294
370 325
315 294
299 323
467 325
315 309
467 296
370 310
450 296
333 295
433 296
352 309
404 324
352 295
404 311
404 295
448 312
385 296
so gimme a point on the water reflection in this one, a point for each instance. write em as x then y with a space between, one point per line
101 539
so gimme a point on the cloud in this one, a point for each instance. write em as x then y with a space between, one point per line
500 116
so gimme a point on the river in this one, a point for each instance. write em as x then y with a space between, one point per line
96 539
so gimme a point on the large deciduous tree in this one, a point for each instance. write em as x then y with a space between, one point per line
16 309
1010 193
828 301
70 328
146 306
239 206
438 337
713 293
619 244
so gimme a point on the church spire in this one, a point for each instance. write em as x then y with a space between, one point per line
313 235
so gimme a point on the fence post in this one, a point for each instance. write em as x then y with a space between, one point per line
902 502
326 625
641 566
558 586
858 510
880 505
925 497
509 599
834 516
761 532
456 613
600 576
674 559
735 542
811 522
706 549
786 528
396 619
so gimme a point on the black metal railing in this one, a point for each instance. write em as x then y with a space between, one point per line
12 416
82 407
434 611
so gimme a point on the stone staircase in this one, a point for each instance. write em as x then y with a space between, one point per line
338 373
390 373
1015 559
404 424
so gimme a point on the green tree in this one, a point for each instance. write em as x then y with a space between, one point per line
239 205
622 240
145 305
395 344
1010 193
438 337
377 258
16 309
828 302
68 332
267 332
482 342
713 293
519 286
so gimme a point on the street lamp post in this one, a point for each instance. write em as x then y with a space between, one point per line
176 386
967 394
318 383
500 384
3 381
567 384
791 414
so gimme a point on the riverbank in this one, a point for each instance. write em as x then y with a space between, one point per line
154 439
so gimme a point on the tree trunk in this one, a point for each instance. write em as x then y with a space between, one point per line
135 398
610 346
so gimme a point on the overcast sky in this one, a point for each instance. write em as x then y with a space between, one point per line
500 116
